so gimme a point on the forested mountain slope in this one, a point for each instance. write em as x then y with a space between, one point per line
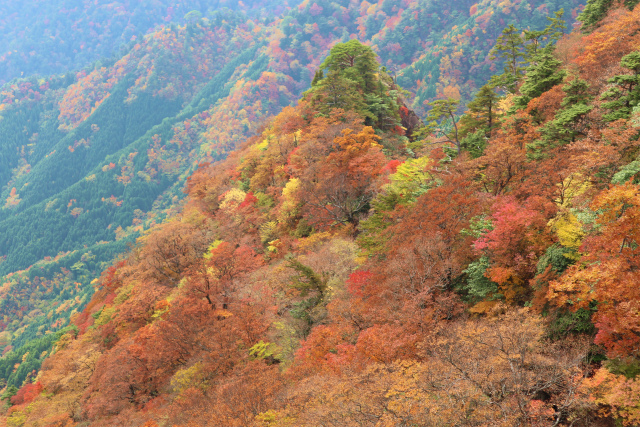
339 269
43 38
91 159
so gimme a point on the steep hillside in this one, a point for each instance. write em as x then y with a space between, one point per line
43 38
334 271
98 165
91 159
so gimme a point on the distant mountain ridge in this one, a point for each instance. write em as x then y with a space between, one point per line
43 38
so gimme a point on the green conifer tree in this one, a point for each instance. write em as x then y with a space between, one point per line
624 94
535 41
568 122
442 122
354 81
354 61
595 10
541 76
509 47
481 113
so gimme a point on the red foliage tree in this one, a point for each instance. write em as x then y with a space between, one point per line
27 393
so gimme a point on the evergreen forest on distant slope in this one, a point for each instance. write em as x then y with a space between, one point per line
43 37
